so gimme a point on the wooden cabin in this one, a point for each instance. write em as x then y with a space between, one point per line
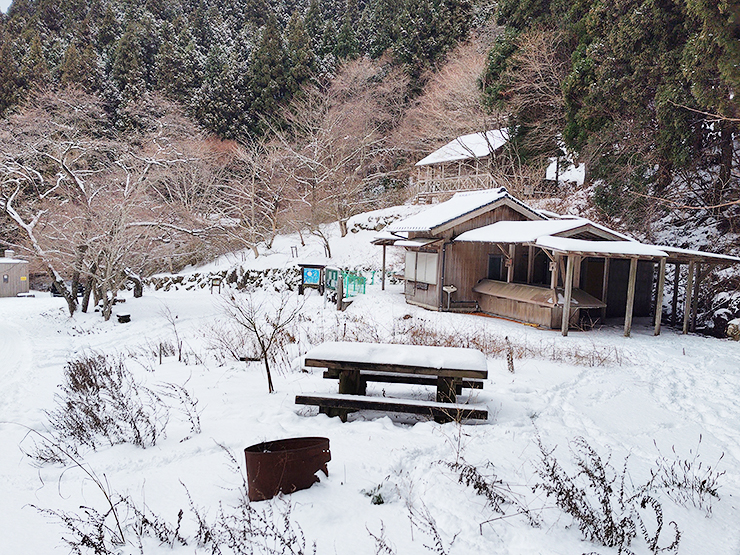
487 251
13 275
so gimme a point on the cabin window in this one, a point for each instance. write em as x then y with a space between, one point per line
421 267
495 267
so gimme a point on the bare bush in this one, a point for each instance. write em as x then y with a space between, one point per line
266 322
688 481
101 401
601 500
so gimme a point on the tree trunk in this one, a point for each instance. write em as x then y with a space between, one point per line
343 227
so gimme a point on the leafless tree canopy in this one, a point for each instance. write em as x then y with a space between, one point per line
89 202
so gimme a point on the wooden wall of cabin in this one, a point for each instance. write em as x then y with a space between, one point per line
502 213
465 265
616 299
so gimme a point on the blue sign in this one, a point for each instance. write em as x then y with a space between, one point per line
311 276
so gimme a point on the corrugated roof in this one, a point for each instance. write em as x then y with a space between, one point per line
458 206
466 147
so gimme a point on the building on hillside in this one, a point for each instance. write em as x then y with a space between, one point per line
460 165
488 251
13 275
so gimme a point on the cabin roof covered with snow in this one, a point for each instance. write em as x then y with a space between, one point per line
459 206
529 231
567 245
467 147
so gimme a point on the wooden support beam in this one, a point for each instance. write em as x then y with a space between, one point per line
659 296
674 302
630 297
687 297
568 294
555 264
382 278
605 287
695 299
530 264
510 263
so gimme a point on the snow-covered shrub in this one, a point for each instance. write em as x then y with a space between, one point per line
600 499
101 402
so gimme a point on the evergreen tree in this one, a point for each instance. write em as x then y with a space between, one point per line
268 78
35 72
179 67
347 47
128 71
301 57
80 68
10 79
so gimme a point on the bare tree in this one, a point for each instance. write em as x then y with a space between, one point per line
84 198
338 143
266 321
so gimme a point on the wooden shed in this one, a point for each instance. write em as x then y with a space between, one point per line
13 275
487 251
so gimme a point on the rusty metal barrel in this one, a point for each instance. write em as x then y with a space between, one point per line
285 465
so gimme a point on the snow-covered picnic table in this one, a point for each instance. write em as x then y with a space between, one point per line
354 364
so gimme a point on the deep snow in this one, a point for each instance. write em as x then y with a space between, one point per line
653 395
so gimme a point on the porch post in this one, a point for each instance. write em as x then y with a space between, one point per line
530 264
687 297
382 278
659 296
510 267
554 273
630 297
674 303
568 294
605 287
695 301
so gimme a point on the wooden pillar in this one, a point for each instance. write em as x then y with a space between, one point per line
568 293
674 302
687 297
605 287
659 296
382 278
510 262
577 273
630 297
695 301
530 264
554 273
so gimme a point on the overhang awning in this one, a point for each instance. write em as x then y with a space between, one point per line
415 243
676 255
625 249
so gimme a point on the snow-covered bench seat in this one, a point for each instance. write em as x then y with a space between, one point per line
338 404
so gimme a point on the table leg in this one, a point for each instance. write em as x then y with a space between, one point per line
351 383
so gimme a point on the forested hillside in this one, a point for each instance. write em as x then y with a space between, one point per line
233 64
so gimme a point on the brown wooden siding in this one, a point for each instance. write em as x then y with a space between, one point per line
499 214
17 278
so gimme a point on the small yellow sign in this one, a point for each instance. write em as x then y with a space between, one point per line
23 278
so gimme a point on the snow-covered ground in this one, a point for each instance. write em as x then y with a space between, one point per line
641 396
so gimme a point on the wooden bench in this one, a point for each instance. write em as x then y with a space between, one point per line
355 364
338 404
412 379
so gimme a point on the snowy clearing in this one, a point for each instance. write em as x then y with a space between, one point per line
390 477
